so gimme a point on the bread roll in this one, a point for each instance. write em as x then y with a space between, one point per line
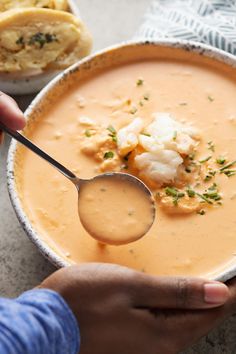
50 4
41 39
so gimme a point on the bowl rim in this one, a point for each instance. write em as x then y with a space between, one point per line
43 247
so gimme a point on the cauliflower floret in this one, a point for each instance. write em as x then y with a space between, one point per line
160 166
172 134
128 137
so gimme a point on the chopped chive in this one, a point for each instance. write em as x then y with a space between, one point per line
173 192
209 175
213 187
211 146
139 82
87 133
133 110
175 135
221 160
229 173
146 134
206 159
210 98
230 164
201 212
212 193
113 133
191 193
203 197
111 129
146 96
108 155
141 103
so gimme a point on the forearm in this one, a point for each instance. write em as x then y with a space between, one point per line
38 322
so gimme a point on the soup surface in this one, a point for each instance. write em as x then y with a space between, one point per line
193 92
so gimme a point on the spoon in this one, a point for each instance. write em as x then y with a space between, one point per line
114 208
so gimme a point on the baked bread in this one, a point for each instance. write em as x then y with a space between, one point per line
41 39
50 4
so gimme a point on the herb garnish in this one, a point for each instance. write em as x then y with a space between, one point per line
211 146
203 197
206 159
113 133
108 155
210 98
230 164
146 97
173 192
175 135
139 82
42 38
226 169
191 193
141 103
221 160
209 175
201 212
230 173
133 110
212 193
88 133
146 134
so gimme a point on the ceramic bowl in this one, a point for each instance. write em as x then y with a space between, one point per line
109 57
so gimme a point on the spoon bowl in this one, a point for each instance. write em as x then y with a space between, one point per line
116 208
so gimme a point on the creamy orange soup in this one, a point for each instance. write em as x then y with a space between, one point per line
115 210
199 243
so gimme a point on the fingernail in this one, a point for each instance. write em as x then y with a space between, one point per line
215 293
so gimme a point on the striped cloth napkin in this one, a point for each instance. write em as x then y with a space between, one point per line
208 21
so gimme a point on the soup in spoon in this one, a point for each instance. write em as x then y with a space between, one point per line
115 209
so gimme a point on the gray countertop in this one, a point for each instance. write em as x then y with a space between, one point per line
22 267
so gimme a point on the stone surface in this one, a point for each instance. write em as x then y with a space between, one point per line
22 267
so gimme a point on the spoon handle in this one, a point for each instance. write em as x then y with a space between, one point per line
23 140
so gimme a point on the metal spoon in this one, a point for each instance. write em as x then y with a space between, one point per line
80 184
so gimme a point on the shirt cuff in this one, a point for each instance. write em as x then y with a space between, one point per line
61 310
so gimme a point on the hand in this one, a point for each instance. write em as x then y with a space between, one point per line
10 114
123 311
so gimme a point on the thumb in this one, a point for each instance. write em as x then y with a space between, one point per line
10 114
178 293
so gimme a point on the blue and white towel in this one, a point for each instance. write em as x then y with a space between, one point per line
208 21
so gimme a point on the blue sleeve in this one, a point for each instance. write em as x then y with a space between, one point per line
38 322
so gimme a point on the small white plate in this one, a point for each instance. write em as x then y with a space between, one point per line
32 83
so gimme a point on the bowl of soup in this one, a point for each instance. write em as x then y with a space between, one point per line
163 111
